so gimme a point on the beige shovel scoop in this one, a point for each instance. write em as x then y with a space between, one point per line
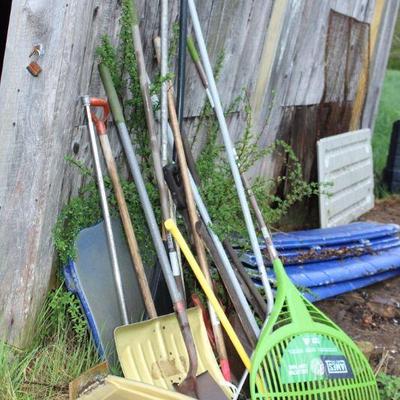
154 352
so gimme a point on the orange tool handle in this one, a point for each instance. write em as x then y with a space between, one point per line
101 123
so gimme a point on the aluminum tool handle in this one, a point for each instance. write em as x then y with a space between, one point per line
231 154
106 213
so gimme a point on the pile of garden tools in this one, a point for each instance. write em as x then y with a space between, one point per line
288 347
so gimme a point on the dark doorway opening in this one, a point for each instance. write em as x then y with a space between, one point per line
4 19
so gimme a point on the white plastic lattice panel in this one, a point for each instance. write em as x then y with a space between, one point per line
345 162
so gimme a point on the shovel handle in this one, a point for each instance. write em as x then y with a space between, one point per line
171 227
113 100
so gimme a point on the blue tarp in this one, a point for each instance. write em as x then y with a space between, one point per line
331 252
324 292
344 234
332 261
334 271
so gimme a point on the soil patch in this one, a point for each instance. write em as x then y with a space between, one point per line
371 315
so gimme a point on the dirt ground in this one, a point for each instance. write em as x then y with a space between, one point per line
371 315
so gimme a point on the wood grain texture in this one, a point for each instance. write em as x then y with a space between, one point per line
297 67
378 63
40 124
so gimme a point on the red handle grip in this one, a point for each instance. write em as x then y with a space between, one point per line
100 123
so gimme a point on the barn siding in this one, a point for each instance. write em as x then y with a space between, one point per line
276 51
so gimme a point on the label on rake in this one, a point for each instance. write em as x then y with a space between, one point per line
312 357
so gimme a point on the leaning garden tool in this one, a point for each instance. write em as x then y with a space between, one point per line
302 354
90 277
191 384
199 67
243 310
180 87
205 236
165 157
193 218
231 154
106 212
97 384
154 143
258 301
123 208
170 225
117 388
181 79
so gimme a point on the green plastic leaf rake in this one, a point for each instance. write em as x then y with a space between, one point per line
303 355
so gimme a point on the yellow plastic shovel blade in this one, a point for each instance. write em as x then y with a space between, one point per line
116 388
154 352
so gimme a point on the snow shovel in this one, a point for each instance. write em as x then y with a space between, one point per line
116 388
191 384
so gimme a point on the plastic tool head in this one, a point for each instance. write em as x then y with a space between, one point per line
302 354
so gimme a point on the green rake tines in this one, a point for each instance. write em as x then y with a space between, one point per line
303 355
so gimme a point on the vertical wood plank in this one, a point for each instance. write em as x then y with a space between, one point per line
39 121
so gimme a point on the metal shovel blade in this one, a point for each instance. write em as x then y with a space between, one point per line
207 388
90 278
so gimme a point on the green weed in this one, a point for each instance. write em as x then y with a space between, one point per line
387 114
389 386
218 187
56 355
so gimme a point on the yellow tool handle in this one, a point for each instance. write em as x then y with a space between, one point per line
171 227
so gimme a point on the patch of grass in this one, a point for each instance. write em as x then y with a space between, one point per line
394 59
389 111
57 355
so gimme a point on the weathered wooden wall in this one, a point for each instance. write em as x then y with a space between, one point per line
300 62
40 119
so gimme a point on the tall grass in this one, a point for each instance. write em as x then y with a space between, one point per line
55 356
389 111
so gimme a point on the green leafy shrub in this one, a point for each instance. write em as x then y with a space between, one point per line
218 188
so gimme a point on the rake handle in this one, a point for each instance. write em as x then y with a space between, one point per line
171 227
202 230
258 302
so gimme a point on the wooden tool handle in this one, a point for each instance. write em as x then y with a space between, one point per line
128 227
